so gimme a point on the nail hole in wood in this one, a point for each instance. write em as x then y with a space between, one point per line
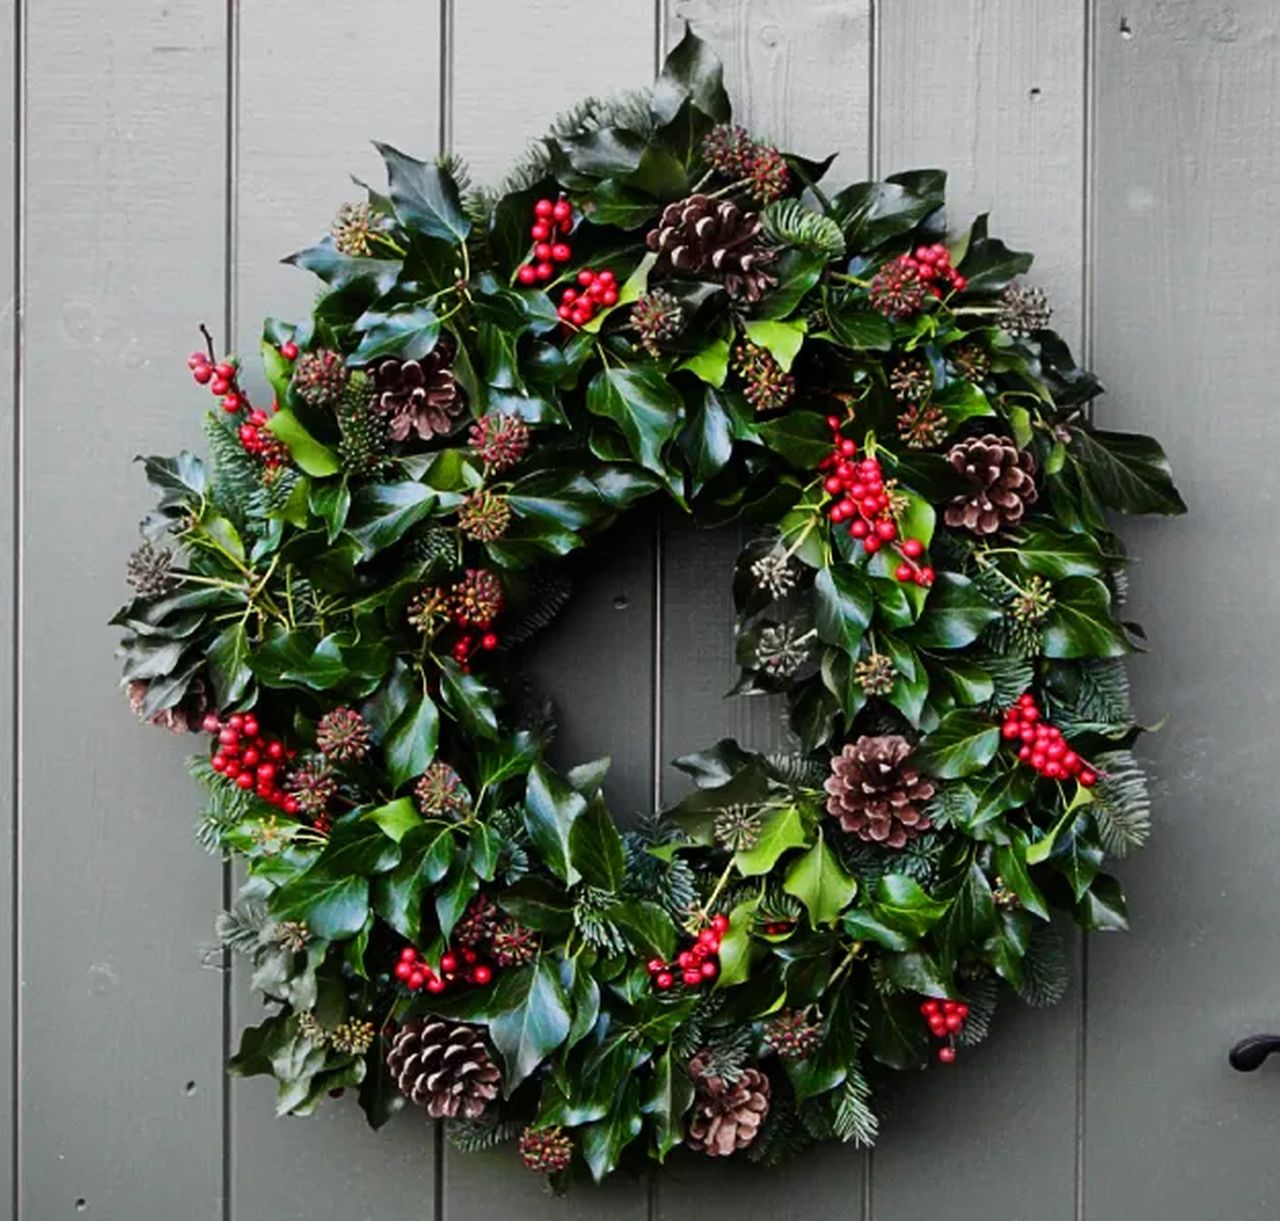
1035 93
1125 29
191 1088
621 602
81 1205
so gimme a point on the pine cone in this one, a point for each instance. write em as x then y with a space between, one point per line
1002 480
445 1067
184 717
874 796
699 237
726 1115
420 395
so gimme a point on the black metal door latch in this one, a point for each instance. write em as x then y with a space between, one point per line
1248 1054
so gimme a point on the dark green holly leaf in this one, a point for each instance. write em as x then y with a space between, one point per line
668 1094
1130 472
604 1142
382 513
901 903
1011 865
331 502
595 847
539 903
710 769
396 818
604 152
535 1023
459 885
872 213
1081 623
229 667
954 614
471 701
411 741
970 918
1102 909
863 330
332 908
843 604
646 926
372 277
408 332
551 808
691 71
896 1035
863 926
426 854
988 264
1048 552
583 993
305 451
964 743
620 206
707 439
801 437
424 196
644 406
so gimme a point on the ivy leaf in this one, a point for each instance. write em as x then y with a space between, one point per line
383 513
820 882
1056 554
551 808
426 853
954 614
470 700
1103 909
535 1023
971 916
332 908
339 271
646 926
310 455
424 196
963 401
1011 865
1130 472
863 330
781 339
782 831
396 818
871 213
1081 624
595 848
843 605
460 884
583 993
668 1094
539 903
801 437
709 363
643 404
229 667
707 439
963 743
988 264
603 1142
411 741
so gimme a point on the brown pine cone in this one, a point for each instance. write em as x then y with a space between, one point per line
874 796
705 237
420 396
1002 478
445 1067
726 1115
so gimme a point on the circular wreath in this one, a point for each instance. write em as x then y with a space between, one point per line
656 305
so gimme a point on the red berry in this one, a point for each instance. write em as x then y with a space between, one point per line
565 312
245 780
859 529
544 271
710 969
871 544
709 937
435 985
203 374
562 210
1088 777
526 274
886 529
540 232
720 923
962 1009
289 350
663 980
542 251
586 277
692 978
448 963
481 973
218 763
953 1022
904 572
489 641
925 576
912 548
947 1055
225 370
928 1007
561 252
403 971
654 965
544 208
684 960
609 297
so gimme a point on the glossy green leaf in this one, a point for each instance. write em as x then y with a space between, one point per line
902 904
309 454
954 614
411 741
396 818
843 605
595 847
781 831
1130 472
425 197
820 882
668 1094
964 743
535 1024
782 340
644 406
1081 623
551 808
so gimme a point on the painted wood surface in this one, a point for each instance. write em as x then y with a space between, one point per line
156 162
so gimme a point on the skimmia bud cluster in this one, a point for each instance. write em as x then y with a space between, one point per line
1042 746
860 499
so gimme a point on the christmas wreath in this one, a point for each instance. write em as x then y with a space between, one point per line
656 305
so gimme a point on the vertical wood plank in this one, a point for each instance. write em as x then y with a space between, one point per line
515 66
1186 283
10 118
800 75
802 78
316 84
120 1105
993 93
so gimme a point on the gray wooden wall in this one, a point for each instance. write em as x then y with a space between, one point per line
162 154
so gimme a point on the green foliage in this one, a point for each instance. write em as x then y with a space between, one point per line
382 563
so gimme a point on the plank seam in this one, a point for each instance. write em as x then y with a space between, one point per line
15 673
446 75
231 200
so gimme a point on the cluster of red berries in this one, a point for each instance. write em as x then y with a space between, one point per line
777 928
549 221
468 645
223 383
598 289
1042 745
933 265
697 965
250 759
946 1019
861 499
462 967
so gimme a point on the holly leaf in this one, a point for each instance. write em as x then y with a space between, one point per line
229 667
667 1095
411 741
595 847
895 1033
424 196
820 882
308 454
408 332
900 903
469 700
781 339
1056 554
1081 624
963 743
843 605
332 908
1130 472
954 614
691 70
551 808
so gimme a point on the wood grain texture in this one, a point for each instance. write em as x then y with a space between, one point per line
596 661
805 79
10 223
802 76
121 1090
992 93
1187 282
308 110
